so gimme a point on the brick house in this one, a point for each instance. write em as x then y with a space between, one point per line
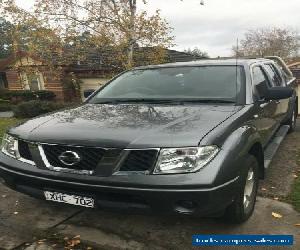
91 73
26 72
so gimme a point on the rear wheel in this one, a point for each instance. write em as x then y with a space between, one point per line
243 205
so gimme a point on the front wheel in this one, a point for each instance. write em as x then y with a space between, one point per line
243 205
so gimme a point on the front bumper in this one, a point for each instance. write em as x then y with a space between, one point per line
181 198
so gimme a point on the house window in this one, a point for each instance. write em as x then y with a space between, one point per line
33 81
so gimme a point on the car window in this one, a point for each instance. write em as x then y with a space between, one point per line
259 77
201 82
283 75
274 75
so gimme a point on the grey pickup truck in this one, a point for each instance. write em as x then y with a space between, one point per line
185 138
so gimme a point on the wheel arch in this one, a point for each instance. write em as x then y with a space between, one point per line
243 142
257 151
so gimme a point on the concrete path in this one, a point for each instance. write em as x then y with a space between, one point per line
284 167
115 231
7 114
22 217
105 230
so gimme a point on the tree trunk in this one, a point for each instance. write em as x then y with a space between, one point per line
130 55
132 36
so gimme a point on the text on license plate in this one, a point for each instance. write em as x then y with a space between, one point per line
69 199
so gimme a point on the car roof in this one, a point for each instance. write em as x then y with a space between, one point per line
215 62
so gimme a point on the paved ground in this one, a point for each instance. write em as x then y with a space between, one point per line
7 114
27 223
283 167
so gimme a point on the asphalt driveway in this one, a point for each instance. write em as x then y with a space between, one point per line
27 223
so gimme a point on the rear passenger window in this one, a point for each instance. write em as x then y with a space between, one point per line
284 76
275 76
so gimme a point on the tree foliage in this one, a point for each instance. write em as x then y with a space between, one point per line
65 30
274 41
196 52
5 38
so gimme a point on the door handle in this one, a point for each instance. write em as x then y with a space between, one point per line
264 104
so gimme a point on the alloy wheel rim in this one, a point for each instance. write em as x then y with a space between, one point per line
249 188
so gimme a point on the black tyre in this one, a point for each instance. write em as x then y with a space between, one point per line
243 205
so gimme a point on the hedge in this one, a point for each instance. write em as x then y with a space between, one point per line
26 95
4 94
5 105
21 95
44 95
35 108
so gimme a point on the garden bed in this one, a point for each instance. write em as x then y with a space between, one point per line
5 123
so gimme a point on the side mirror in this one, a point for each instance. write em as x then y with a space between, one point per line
88 92
274 93
278 93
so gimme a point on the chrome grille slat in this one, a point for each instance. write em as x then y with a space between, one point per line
90 157
93 159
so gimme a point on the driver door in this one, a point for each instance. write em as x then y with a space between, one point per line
265 119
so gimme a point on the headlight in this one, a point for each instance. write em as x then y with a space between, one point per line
184 160
9 146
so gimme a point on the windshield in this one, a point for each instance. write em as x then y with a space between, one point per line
219 83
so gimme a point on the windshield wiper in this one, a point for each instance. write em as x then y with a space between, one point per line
163 101
207 101
138 100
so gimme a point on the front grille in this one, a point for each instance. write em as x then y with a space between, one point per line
89 156
24 150
139 160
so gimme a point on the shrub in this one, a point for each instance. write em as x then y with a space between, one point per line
17 96
5 107
44 95
21 95
4 101
4 94
34 108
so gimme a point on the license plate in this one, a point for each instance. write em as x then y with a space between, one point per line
69 199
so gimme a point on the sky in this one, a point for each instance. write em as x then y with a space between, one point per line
215 26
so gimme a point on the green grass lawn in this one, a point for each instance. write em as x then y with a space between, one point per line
295 195
6 123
